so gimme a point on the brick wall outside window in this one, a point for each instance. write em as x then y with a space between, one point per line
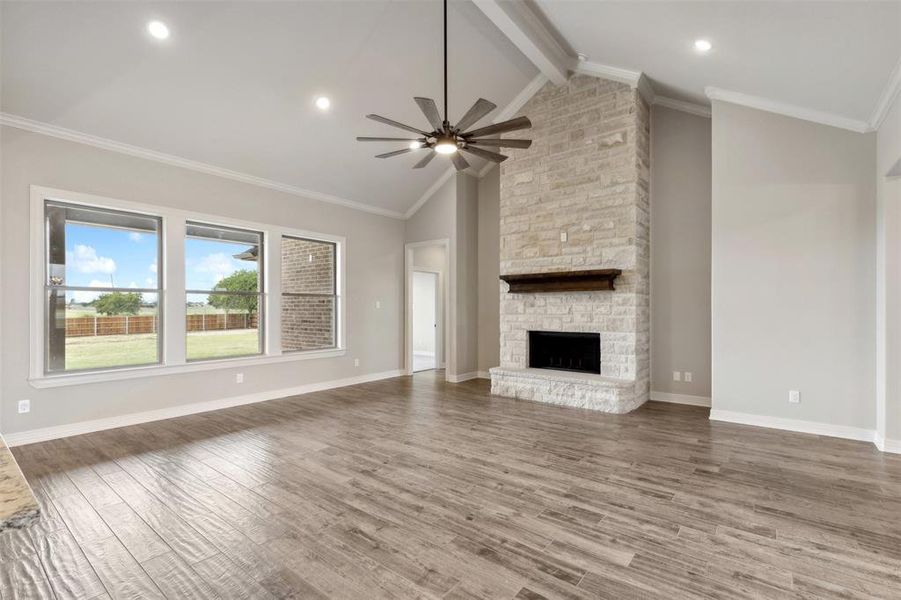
308 267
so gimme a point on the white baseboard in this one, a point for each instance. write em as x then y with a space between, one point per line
51 433
483 375
461 377
839 431
680 399
887 445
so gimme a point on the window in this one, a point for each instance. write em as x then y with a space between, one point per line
107 272
309 294
223 283
101 288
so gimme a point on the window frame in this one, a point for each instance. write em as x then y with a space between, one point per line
65 287
262 316
172 301
336 293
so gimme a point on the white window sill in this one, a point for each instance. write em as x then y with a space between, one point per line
52 381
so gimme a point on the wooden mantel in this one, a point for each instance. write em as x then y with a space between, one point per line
562 281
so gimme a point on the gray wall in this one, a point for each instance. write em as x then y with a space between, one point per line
888 385
489 269
680 251
793 267
374 273
452 213
467 243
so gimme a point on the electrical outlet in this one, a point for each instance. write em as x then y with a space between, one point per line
239 378
677 376
563 236
356 362
794 396
24 406
687 376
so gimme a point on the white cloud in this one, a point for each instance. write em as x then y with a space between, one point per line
85 260
133 285
149 282
135 236
218 265
84 296
152 268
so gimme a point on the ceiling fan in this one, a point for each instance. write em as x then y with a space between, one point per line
445 138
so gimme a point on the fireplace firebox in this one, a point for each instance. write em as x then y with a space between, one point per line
565 351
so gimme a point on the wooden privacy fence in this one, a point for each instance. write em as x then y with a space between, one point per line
134 324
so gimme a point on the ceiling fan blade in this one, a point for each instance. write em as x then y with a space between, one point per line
492 156
430 110
478 110
503 127
395 153
501 143
388 121
459 161
384 139
426 160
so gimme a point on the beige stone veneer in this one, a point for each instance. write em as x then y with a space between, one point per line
585 175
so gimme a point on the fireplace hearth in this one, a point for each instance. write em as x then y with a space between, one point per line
565 351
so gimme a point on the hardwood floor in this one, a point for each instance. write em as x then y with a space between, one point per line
413 488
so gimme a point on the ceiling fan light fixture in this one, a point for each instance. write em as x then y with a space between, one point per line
449 139
446 146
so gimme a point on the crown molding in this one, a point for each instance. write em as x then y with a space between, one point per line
788 110
71 135
634 79
429 192
687 107
627 76
889 93
509 111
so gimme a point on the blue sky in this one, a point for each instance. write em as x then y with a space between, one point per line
99 256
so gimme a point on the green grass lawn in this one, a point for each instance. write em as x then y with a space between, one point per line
126 350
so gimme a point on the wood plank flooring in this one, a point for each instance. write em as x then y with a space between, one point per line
413 488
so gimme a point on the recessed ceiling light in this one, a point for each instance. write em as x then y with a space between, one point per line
703 45
158 30
323 103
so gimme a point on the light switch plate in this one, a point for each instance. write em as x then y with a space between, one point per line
687 376
24 406
677 376
794 396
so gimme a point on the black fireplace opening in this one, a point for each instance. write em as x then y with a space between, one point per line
564 351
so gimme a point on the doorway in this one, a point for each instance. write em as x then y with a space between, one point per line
425 320
429 329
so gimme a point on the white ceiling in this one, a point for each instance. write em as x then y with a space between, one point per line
834 57
234 85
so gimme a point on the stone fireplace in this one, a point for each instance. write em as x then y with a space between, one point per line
578 201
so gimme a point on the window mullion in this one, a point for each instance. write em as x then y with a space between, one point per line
273 294
174 300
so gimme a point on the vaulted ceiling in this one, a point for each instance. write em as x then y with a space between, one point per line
234 85
833 57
